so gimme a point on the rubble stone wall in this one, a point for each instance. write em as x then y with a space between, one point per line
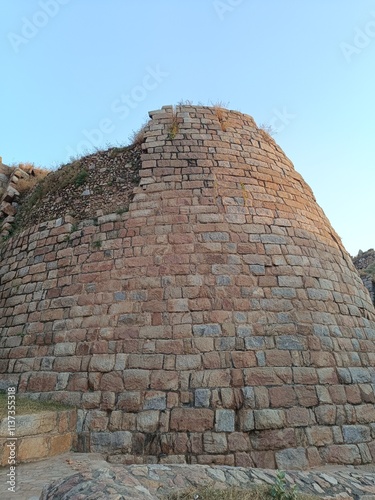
369 283
364 259
362 262
220 320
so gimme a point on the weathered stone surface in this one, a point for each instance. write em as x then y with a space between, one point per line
147 482
342 454
247 422
39 423
102 442
356 433
33 448
60 444
102 363
269 419
214 442
294 458
202 398
273 439
319 436
224 420
148 421
191 419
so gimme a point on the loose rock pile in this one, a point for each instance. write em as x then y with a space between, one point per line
9 196
365 264
97 184
364 259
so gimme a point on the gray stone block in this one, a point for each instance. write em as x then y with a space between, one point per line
291 343
202 398
360 375
292 458
210 330
224 420
356 433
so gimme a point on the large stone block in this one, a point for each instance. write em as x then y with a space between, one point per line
269 419
319 436
136 379
215 442
111 441
342 454
148 421
293 458
356 434
33 448
282 397
61 443
39 423
238 441
192 419
273 439
112 381
224 420
42 382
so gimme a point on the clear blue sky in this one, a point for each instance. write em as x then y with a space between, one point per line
84 73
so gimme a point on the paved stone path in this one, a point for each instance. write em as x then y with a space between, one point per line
149 482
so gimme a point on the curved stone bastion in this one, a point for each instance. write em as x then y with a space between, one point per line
218 320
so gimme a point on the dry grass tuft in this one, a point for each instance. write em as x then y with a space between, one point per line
26 406
220 108
267 129
174 128
138 136
35 176
208 493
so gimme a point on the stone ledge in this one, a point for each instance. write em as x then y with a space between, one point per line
38 436
151 482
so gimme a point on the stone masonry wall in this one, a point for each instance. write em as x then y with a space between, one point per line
220 320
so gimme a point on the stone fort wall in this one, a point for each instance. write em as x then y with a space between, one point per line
220 320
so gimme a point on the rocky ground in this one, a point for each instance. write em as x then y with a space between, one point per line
152 482
77 476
